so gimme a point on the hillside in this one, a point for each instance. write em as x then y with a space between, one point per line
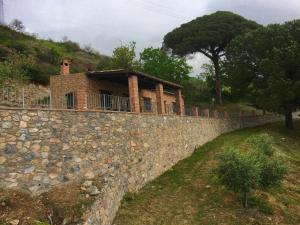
47 54
189 193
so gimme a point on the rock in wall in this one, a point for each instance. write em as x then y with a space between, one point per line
43 149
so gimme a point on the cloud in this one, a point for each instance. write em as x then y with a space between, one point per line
262 11
105 24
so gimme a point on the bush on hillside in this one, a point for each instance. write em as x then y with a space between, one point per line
262 142
15 69
272 172
72 46
258 168
238 172
51 55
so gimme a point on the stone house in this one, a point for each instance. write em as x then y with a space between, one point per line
115 90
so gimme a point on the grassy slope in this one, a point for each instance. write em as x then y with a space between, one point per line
189 193
47 53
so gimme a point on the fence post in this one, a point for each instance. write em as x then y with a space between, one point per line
23 97
119 103
195 111
226 115
206 113
216 114
50 100
241 114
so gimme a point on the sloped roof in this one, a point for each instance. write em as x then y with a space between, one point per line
126 73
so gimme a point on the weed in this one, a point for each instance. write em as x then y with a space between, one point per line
261 204
40 223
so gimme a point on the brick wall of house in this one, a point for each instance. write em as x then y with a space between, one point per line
63 84
144 93
96 85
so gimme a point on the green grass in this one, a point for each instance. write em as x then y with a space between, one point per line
189 193
40 223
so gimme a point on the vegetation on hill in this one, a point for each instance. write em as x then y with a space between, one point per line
246 171
46 54
190 193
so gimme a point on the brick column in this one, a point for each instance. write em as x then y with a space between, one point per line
206 113
216 114
133 88
226 115
195 111
179 102
81 99
160 99
242 114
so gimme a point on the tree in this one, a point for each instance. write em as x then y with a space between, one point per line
238 172
258 168
65 39
196 90
17 25
89 49
165 66
124 57
265 64
209 35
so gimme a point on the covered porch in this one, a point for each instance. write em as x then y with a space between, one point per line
130 91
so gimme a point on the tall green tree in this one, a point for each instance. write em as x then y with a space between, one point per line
265 64
165 66
124 57
209 35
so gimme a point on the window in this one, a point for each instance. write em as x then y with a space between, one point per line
147 104
105 99
70 100
174 106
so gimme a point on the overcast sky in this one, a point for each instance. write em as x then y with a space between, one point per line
105 24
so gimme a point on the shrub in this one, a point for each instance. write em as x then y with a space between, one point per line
272 172
262 143
72 46
261 204
272 168
243 172
238 172
15 69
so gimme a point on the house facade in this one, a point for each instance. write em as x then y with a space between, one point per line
115 90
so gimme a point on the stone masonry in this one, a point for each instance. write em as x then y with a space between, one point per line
42 149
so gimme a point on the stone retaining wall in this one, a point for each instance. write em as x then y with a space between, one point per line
42 149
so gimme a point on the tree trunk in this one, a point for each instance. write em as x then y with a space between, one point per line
218 81
289 118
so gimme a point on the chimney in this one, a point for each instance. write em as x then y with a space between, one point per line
65 67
